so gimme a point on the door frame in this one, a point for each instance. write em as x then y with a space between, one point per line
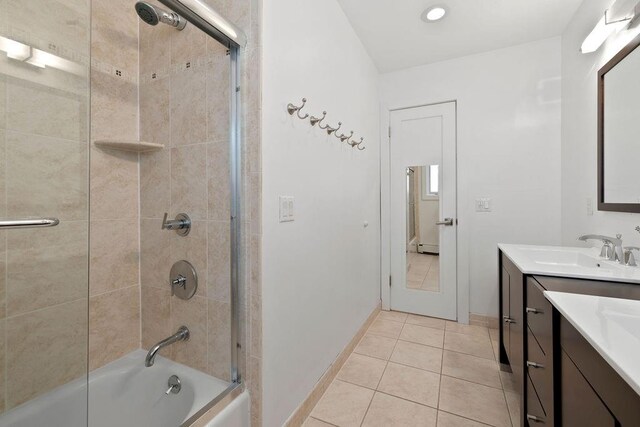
462 238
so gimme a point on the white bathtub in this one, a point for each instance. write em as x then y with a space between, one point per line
125 393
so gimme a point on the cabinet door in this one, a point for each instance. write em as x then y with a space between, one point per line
516 331
581 406
505 311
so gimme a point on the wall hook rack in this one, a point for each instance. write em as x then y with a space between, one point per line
314 120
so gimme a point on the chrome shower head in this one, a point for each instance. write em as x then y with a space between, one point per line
153 14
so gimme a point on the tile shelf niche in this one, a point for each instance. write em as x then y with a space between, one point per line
128 145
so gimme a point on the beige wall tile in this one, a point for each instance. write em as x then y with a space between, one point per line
255 389
193 315
255 264
114 107
45 349
478 402
155 316
188 182
46 177
255 202
218 181
114 33
155 254
114 325
387 410
218 81
44 111
114 184
114 255
155 48
187 45
255 327
411 384
155 183
219 261
46 267
3 276
3 359
219 322
155 124
192 248
188 107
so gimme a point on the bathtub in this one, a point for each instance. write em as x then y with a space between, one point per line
125 393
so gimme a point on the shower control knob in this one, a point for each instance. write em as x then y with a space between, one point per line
183 280
181 225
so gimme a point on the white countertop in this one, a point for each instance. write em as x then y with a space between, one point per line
610 325
579 263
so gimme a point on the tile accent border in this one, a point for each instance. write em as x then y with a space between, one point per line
486 321
304 410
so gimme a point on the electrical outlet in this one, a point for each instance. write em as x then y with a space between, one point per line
483 204
286 208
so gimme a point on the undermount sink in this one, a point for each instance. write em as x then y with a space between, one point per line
584 263
566 257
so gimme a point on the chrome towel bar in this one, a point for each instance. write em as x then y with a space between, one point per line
28 223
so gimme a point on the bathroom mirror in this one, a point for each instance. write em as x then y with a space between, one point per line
619 131
423 235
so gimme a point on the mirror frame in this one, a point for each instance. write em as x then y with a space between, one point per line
602 205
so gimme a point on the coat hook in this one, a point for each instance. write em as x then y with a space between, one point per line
345 138
355 144
331 130
358 144
315 120
293 109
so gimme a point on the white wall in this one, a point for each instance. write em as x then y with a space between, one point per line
508 106
579 130
321 272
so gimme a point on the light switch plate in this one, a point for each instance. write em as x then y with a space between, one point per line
483 204
286 208
589 206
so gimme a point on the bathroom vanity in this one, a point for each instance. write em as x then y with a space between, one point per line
570 333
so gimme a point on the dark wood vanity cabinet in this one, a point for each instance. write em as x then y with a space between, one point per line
562 378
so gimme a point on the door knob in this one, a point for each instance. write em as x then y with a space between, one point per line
447 222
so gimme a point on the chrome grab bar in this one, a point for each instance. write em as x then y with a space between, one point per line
28 223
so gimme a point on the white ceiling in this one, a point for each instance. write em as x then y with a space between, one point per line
397 38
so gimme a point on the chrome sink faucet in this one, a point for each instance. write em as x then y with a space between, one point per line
611 248
181 335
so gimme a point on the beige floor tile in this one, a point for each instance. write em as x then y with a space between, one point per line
471 368
396 316
376 346
508 382
513 403
411 384
446 419
470 344
385 328
496 350
388 411
362 370
494 334
422 335
467 329
343 404
418 356
312 422
475 401
430 322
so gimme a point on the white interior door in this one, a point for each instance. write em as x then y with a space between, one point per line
423 149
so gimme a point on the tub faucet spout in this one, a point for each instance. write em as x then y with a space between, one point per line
181 335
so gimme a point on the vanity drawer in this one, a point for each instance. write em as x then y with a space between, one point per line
539 315
540 370
535 415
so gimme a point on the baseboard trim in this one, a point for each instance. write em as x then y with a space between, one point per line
487 321
302 412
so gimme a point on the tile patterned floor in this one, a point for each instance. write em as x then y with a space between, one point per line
415 371
423 271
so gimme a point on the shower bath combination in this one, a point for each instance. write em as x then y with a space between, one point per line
152 15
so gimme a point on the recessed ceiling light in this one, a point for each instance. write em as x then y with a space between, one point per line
433 14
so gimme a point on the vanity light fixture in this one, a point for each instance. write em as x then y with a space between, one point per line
433 14
603 29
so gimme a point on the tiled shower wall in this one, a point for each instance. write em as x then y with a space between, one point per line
114 287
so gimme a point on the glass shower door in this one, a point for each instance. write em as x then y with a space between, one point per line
44 118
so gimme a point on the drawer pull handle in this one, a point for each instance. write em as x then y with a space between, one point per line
509 320
534 365
535 419
534 311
